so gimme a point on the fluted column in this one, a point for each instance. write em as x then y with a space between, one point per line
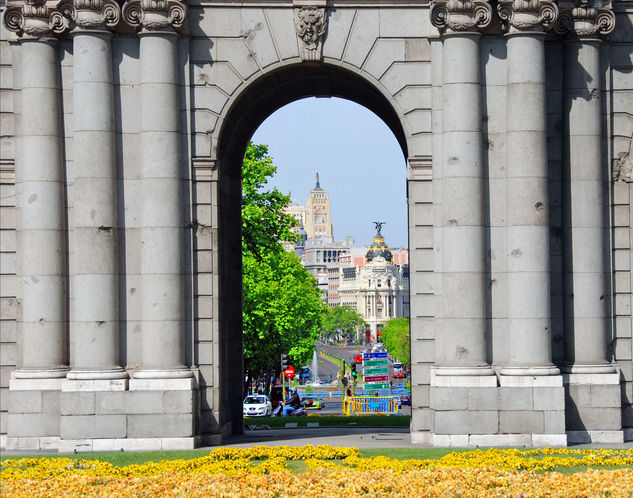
42 251
162 231
584 201
527 207
460 342
95 325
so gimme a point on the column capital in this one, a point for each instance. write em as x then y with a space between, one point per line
155 15
460 15
95 14
585 18
35 19
520 16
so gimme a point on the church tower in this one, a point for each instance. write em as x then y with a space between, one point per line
317 219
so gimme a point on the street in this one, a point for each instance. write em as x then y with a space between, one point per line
327 372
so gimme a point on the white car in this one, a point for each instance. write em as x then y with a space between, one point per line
257 405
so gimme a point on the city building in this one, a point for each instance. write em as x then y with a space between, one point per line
317 213
378 289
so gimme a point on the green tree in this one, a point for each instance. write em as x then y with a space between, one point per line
281 302
264 222
396 338
344 318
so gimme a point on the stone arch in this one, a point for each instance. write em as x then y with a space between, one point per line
254 103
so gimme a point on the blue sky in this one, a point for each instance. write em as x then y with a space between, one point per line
359 161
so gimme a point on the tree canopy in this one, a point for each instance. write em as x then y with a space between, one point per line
264 222
343 318
395 337
281 302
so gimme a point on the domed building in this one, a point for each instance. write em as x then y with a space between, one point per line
379 290
379 248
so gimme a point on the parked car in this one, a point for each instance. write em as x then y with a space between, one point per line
405 399
257 406
312 403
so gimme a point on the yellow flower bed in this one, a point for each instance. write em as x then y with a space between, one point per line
330 471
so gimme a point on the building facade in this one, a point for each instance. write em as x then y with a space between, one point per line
317 219
378 290
124 126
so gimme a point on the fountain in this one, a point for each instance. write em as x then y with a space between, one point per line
315 370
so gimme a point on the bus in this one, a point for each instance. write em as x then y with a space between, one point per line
398 370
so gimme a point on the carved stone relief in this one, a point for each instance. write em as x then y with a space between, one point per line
461 15
34 18
155 15
623 165
311 24
527 15
585 18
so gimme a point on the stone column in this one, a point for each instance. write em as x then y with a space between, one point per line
529 319
460 342
95 325
592 384
586 236
42 252
162 231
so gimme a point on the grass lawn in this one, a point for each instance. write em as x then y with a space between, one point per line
121 459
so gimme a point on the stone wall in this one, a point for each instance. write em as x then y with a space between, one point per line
620 129
236 65
8 280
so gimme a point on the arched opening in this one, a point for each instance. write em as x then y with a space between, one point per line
253 105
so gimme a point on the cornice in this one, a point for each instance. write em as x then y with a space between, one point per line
330 4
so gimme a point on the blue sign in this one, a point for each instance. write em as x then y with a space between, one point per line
367 356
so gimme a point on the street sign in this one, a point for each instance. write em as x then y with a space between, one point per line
375 378
367 356
358 358
375 363
289 372
379 385
376 371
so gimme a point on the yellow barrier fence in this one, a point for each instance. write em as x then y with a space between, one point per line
371 405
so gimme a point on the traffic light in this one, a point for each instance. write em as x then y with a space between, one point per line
285 361
353 369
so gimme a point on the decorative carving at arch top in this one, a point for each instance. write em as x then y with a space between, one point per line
585 18
36 19
527 15
311 24
155 15
96 14
461 15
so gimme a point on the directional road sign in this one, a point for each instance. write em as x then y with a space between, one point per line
375 378
378 385
368 356
376 371
375 363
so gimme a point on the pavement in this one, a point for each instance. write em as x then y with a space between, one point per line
358 437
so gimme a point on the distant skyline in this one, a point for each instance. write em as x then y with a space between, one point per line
359 161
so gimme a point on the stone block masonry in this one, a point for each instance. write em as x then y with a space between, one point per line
122 130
